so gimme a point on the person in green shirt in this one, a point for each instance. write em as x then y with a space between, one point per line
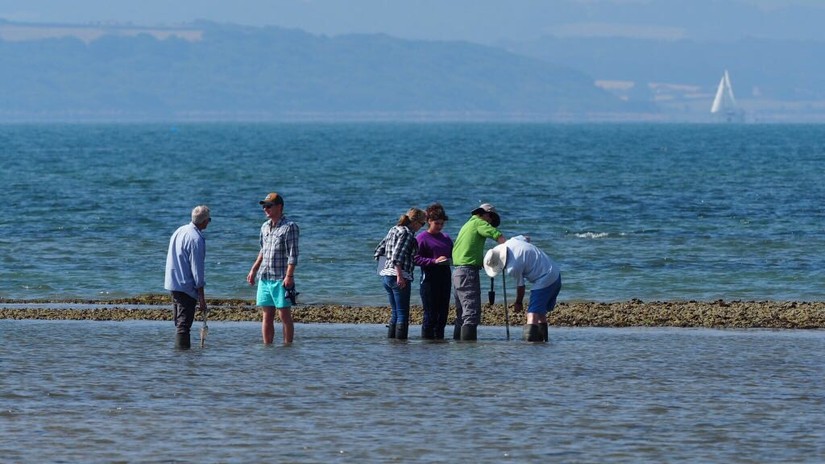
468 257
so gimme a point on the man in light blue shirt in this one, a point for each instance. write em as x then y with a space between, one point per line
522 260
185 273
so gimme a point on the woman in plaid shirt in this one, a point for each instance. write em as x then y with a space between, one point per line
400 247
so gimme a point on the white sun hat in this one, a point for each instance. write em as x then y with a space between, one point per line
495 260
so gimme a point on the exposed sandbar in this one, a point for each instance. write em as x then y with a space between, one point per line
633 313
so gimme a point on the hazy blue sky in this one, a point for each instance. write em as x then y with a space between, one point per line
474 20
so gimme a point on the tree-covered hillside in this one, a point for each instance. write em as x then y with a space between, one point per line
273 73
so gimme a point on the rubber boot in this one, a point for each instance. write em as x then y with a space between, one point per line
391 331
401 331
469 333
543 331
457 331
427 333
182 341
439 333
532 333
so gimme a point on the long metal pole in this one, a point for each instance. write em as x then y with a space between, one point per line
204 329
506 312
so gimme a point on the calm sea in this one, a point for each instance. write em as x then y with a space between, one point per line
79 391
656 212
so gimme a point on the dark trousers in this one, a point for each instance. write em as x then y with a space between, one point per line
184 311
435 298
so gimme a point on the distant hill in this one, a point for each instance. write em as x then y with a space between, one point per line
208 71
773 79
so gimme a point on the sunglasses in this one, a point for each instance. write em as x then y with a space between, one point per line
267 205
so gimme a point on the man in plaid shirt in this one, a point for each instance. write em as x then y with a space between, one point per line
275 268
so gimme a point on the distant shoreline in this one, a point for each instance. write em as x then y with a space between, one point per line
632 313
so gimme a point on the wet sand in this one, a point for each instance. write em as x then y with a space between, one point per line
633 313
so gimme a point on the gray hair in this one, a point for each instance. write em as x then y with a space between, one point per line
200 215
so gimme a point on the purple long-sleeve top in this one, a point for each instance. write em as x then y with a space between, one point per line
431 246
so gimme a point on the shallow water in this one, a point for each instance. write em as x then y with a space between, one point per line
79 391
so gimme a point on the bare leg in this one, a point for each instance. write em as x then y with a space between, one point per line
286 321
268 324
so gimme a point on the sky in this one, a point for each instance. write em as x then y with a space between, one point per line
482 21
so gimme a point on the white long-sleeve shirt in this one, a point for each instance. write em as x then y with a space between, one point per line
526 261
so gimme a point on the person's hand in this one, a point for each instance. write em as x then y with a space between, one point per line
401 282
250 278
289 281
441 259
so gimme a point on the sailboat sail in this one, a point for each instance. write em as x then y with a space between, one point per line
725 103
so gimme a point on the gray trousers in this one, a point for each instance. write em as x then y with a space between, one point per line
184 311
467 285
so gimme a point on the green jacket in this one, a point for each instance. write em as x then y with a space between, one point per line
468 249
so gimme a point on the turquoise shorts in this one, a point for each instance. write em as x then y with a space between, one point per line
272 293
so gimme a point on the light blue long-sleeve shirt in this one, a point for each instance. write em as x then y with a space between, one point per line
185 261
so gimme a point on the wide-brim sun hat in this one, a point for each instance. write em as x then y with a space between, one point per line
495 260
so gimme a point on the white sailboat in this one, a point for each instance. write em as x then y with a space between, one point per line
724 104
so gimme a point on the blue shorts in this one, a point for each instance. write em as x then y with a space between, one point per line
543 300
272 293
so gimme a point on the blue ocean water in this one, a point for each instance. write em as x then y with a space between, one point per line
655 212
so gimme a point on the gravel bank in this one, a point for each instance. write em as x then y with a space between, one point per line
634 313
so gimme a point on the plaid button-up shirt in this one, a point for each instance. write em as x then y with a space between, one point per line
279 248
400 247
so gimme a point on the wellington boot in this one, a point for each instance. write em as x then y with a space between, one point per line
543 331
469 333
391 331
401 331
457 331
439 333
532 333
427 333
182 341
